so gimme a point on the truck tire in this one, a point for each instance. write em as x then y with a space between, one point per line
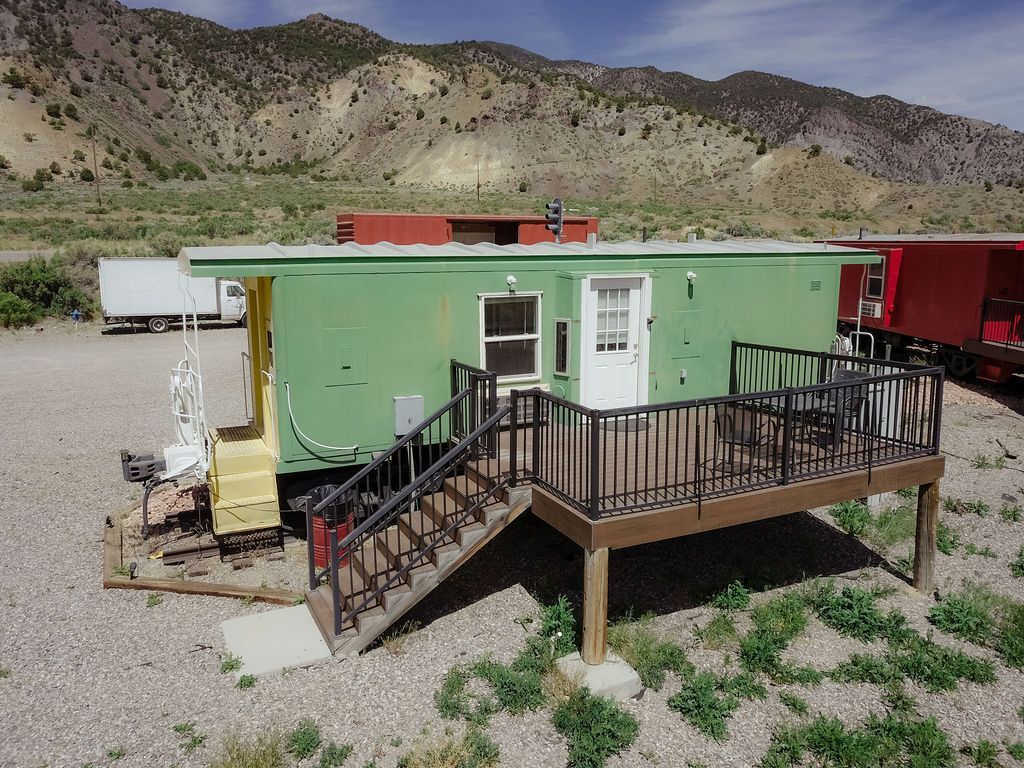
158 325
242 320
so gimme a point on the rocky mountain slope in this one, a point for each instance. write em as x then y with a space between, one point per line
176 96
879 134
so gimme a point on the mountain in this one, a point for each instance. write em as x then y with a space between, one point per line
880 134
171 95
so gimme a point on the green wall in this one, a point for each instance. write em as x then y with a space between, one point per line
355 333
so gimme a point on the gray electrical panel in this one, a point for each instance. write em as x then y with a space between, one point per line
408 413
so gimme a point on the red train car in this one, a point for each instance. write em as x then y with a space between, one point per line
437 229
963 293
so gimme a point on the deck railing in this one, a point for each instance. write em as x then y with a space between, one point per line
1002 322
818 422
482 402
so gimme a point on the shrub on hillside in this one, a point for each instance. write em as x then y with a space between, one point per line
14 311
44 286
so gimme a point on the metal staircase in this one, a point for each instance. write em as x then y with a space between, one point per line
402 544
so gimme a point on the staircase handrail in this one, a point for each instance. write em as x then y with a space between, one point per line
411 435
424 477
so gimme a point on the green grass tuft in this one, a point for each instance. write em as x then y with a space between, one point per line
265 751
704 706
473 750
596 728
334 756
946 539
984 754
247 681
965 615
852 516
1016 751
1012 513
735 597
651 657
794 703
304 740
720 632
230 663
517 690
1017 564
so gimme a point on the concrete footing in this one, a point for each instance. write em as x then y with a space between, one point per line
614 678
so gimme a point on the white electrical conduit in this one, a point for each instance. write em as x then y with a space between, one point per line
303 435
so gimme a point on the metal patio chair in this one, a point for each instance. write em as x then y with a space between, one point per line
842 409
741 429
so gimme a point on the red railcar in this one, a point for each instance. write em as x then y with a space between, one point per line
437 229
963 293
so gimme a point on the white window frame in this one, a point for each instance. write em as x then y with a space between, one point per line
867 282
538 357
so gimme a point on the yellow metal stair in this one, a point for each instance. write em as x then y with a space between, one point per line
243 483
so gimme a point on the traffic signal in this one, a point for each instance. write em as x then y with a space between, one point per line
554 217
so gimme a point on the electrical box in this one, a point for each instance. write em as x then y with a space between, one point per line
408 413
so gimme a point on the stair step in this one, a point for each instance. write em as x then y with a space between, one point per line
242 485
248 513
370 563
477 471
463 490
397 546
468 534
421 527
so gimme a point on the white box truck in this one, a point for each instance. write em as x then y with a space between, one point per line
152 292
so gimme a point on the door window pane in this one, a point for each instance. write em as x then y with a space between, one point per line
612 319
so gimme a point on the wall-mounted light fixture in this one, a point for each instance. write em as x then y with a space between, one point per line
691 276
511 282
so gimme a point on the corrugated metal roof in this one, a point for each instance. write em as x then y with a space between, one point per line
449 250
988 237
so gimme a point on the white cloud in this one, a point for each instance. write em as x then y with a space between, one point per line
950 55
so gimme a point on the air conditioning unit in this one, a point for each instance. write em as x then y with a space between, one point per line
871 309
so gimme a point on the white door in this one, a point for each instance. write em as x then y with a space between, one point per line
613 351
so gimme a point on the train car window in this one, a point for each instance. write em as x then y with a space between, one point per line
876 280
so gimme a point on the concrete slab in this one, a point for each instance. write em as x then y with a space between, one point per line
273 640
614 679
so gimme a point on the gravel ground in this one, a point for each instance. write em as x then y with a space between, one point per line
93 670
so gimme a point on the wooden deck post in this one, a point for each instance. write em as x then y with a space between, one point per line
595 606
924 544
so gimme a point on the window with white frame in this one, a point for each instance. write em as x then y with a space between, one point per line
612 319
510 328
876 280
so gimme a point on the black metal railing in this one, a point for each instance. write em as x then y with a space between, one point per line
404 532
1002 322
362 495
482 401
866 413
761 368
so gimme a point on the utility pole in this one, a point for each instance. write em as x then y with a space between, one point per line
95 167
478 178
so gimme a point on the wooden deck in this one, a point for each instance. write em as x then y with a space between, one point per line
664 476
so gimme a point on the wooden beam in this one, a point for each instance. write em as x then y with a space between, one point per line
924 542
572 524
628 530
595 606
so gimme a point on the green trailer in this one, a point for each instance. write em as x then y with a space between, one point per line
350 345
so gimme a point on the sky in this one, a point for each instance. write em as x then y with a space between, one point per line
961 56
